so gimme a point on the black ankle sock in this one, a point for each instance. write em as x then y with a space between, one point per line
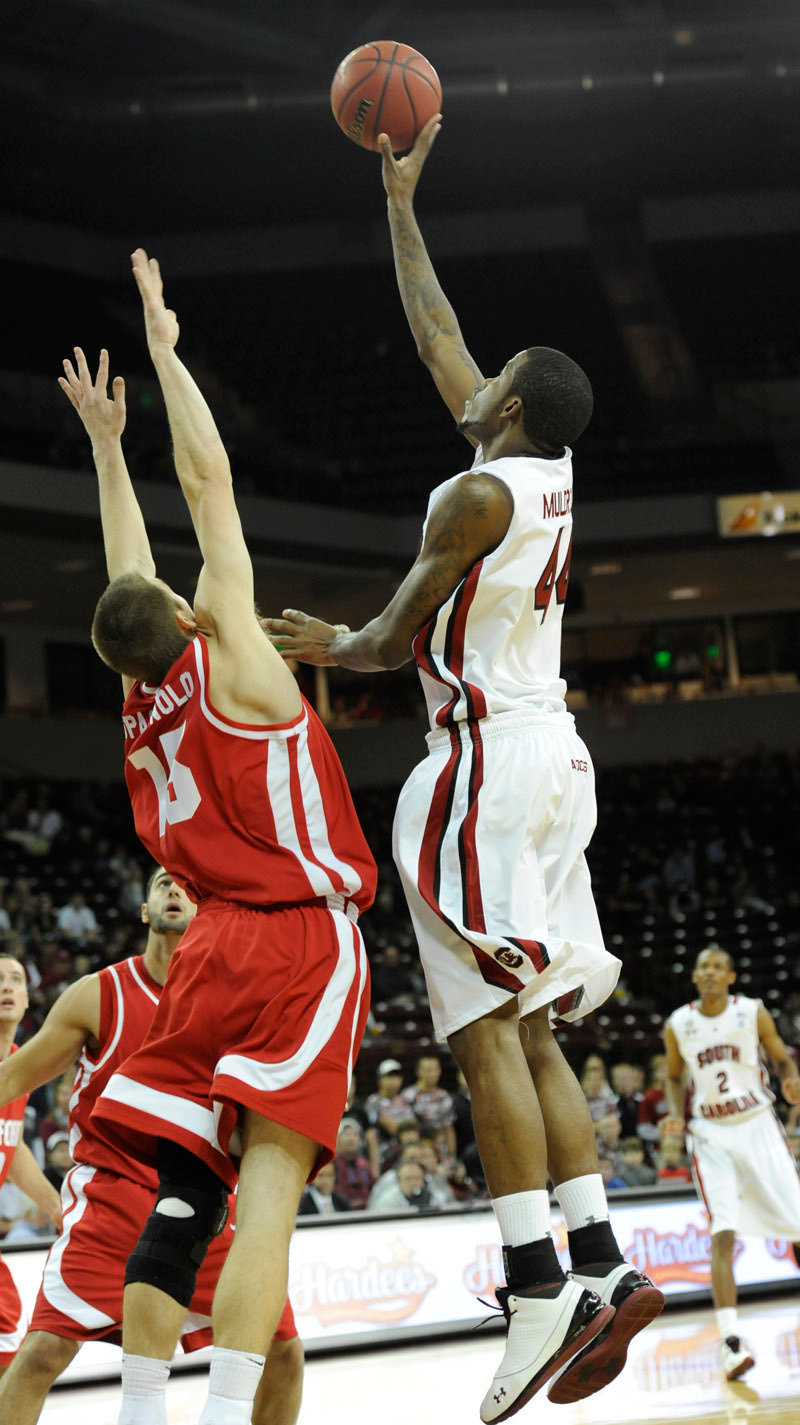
534 1264
594 1243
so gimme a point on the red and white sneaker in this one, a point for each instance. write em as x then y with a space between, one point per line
544 1333
636 1303
736 1359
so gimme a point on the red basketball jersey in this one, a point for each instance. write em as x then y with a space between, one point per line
261 815
128 999
11 1120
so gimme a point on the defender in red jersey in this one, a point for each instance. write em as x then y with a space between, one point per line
492 826
107 1195
17 1163
236 787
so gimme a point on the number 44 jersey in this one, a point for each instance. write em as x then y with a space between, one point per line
494 646
721 1051
249 813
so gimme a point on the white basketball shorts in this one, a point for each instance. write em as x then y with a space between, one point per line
489 840
745 1173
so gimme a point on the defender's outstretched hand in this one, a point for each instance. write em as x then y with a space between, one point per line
298 635
161 324
103 416
400 175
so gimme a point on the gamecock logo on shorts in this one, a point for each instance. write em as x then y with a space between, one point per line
509 958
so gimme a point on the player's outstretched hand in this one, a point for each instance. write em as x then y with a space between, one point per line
161 324
790 1086
298 635
103 416
400 175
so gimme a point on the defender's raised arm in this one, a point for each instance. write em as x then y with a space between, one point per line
124 535
432 320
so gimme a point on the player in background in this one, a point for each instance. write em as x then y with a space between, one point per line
107 1196
17 1163
742 1165
491 828
234 785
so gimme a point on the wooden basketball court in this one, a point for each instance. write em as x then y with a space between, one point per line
673 1374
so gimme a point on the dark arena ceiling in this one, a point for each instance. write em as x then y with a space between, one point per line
156 116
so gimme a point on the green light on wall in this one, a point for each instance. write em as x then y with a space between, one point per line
662 658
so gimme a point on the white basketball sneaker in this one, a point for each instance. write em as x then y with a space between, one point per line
636 1302
544 1333
736 1359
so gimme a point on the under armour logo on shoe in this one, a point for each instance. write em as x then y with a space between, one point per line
498 1397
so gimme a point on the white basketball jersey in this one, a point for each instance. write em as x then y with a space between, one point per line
495 645
728 1078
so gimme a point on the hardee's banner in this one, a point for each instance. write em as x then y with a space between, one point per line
761 514
358 1280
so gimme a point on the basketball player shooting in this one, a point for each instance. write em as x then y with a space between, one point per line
235 786
742 1165
491 828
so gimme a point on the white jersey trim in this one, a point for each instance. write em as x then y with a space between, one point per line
54 1288
170 1108
257 734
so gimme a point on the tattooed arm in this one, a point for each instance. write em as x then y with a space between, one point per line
469 520
431 318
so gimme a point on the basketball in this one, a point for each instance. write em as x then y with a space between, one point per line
384 88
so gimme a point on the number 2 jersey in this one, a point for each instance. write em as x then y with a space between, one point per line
494 646
728 1079
257 814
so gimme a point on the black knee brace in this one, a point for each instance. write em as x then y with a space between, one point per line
190 1211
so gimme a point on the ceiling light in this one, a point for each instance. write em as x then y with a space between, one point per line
684 591
610 567
73 566
16 606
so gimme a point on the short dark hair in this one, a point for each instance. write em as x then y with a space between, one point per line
134 628
718 950
156 871
556 397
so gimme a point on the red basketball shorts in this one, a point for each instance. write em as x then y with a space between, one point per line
12 1317
262 1009
81 1292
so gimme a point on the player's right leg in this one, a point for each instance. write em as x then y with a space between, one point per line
550 1319
280 1391
276 1164
38 1363
597 1263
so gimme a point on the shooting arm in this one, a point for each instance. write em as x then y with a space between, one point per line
430 316
74 1018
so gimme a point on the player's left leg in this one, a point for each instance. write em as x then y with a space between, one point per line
161 1276
276 1163
736 1358
280 1390
597 1262
39 1361
549 1318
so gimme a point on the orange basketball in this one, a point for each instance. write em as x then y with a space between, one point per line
385 88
